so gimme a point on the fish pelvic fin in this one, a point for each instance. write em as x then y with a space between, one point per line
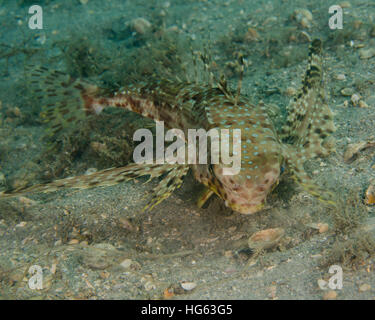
172 181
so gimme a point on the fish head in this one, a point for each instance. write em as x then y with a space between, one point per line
246 192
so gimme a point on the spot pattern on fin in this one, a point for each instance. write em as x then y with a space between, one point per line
310 120
65 101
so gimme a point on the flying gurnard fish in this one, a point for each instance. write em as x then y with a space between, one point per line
186 105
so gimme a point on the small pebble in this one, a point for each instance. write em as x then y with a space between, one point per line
323 227
366 53
304 17
347 92
251 35
355 98
362 104
73 241
168 293
53 268
330 295
345 4
21 224
125 223
140 25
353 149
370 194
290 91
228 253
126 263
364 287
104 275
188 286
357 24
149 285
266 239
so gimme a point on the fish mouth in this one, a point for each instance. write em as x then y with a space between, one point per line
245 208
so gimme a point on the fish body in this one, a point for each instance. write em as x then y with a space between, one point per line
185 106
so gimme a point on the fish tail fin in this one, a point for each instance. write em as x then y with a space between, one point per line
65 101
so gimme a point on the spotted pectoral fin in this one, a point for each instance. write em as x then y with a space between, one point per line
107 177
310 120
298 109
